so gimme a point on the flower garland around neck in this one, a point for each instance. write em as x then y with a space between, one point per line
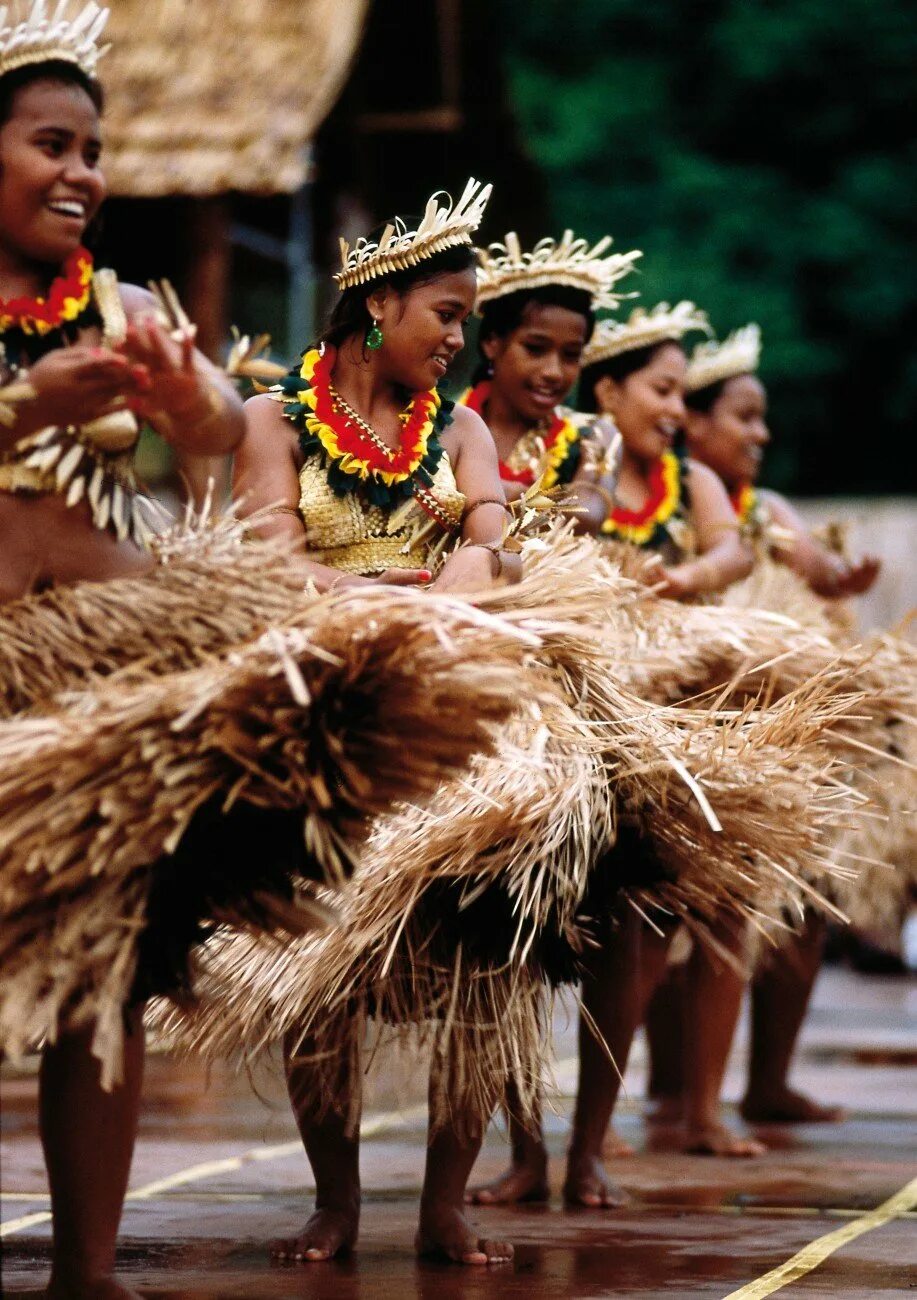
67 299
355 457
561 443
647 526
744 500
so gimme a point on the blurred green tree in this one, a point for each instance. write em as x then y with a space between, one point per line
763 154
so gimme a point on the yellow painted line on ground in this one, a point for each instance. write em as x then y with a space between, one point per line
370 1127
817 1251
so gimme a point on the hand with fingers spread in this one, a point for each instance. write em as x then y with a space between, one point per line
177 392
75 385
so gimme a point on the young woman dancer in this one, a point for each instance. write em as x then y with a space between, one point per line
371 474
537 315
726 428
86 359
634 372
666 502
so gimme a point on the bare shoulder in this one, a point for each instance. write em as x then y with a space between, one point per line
703 477
467 429
265 422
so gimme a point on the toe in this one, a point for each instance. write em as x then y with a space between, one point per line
497 1252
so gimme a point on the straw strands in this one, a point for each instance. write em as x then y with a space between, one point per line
373 699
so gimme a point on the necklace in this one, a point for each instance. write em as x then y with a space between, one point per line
67 298
355 456
643 527
744 498
551 450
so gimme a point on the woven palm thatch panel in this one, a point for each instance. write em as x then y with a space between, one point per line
221 95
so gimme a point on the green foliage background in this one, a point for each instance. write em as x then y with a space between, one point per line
762 153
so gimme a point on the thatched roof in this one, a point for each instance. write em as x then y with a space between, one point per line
206 96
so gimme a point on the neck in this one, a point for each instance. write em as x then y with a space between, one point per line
363 384
22 276
503 419
638 466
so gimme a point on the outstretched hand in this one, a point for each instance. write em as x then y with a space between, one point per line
854 578
78 384
174 389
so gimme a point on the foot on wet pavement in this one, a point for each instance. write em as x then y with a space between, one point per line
718 1140
328 1233
520 1184
784 1106
588 1185
445 1233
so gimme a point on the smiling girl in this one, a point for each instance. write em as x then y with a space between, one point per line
84 360
537 316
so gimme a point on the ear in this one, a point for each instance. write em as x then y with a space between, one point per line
607 395
492 346
377 301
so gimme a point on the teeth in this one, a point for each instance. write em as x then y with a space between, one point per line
68 208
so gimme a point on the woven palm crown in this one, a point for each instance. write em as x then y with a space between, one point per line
644 329
505 268
444 225
28 34
712 362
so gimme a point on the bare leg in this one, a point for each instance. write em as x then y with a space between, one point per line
444 1230
713 999
88 1139
526 1179
779 1001
665 1038
617 984
333 1148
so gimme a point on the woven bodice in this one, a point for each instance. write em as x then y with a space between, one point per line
349 533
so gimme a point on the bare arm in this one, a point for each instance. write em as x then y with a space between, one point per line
724 557
827 574
477 476
592 488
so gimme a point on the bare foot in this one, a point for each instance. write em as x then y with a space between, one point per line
587 1184
665 1110
100 1288
718 1140
615 1146
784 1106
326 1234
521 1184
444 1232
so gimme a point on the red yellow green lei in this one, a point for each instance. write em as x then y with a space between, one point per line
353 459
644 527
67 298
744 499
559 439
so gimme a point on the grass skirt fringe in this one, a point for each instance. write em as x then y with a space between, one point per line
216 787
462 913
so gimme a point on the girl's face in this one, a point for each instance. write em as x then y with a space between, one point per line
537 364
732 435
648 406
51 186
423 328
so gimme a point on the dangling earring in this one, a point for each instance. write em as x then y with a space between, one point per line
490 370
374 336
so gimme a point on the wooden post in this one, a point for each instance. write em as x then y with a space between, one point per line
206 300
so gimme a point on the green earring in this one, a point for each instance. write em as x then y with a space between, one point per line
374 337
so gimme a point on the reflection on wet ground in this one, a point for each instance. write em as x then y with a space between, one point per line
695 1226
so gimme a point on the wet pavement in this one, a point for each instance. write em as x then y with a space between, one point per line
219 1172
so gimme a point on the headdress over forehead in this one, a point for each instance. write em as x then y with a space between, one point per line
505 268
712 362
28 35
644 329
444 225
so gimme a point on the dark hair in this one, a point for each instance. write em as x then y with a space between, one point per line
51 70
503 315
350 315
703 400
617 368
